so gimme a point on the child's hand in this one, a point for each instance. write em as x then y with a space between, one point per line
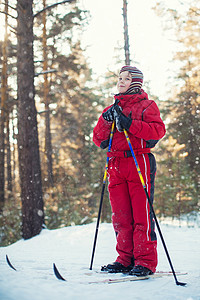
118 125
122 121
109 114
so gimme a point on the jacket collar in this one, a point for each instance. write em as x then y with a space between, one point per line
131 97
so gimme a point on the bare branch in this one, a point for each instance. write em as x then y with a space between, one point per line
195 11
5 13
44 111
9 6
114 74
38 61
46 72
15 32
14 28
51 6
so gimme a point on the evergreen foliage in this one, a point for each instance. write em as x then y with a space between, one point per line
75 103
179 158
74 109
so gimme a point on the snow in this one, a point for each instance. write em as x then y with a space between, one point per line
71 247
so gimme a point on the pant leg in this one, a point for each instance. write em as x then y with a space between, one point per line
144 237
122 218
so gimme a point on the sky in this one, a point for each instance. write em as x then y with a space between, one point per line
151 47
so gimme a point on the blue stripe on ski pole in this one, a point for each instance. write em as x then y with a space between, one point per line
109 148
135 160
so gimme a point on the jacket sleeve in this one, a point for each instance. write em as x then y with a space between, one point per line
101 132
151 126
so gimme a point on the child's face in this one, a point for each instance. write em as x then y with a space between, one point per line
124 82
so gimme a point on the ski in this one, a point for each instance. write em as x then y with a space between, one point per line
118 280
125 278
131 278
106 272
57 273
9 263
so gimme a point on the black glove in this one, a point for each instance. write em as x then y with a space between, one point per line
109 114
122 122
118 125
117 113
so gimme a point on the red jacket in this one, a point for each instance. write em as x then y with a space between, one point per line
146 129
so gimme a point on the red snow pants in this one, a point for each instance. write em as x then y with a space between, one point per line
131 217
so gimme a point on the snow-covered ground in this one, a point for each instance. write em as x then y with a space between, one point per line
70 248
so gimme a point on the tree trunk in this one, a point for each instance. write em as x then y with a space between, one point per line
8 156
2 162
126 37
48 145
28 145
3 105
13 153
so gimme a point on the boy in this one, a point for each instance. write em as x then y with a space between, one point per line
131 216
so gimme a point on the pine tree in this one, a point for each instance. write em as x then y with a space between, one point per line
182 111
28 144
72 116
4 98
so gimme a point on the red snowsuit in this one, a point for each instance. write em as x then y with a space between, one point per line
131 216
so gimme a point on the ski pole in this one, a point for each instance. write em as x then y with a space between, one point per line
152 209
102 194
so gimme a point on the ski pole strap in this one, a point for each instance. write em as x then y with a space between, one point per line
109 148
135 160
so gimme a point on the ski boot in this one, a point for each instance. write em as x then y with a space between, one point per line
116 267
140 271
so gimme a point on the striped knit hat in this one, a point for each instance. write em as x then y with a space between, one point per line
137 79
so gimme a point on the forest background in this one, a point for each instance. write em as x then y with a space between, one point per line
50 170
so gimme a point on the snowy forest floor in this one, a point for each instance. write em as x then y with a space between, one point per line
71 247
